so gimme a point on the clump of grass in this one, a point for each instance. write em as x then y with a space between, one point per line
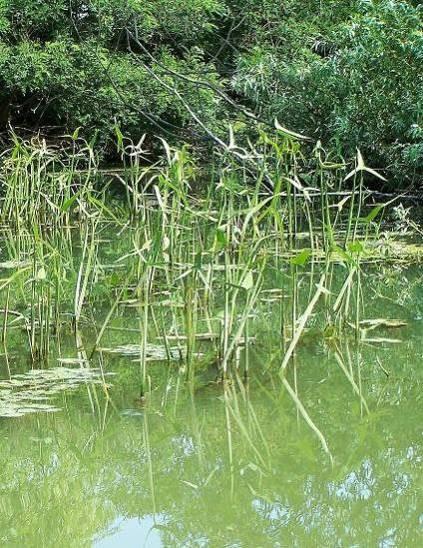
267 236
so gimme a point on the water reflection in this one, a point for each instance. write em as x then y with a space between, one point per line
131 533
233 467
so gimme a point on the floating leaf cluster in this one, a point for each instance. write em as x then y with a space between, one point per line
33 392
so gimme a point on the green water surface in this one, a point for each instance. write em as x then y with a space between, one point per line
233 466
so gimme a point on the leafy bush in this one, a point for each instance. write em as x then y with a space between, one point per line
348 72
65 63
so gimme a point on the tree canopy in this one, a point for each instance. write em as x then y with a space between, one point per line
347 72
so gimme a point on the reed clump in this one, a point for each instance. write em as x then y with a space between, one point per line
194 261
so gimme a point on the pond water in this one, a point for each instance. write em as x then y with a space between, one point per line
234 465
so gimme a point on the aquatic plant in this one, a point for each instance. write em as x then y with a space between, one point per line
277 235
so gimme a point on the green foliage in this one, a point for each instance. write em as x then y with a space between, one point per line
350 72
347 72
65 64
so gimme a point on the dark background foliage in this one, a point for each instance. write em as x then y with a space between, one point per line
347 72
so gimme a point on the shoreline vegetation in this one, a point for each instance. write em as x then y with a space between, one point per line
211 284
181 196
348 73
194 264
